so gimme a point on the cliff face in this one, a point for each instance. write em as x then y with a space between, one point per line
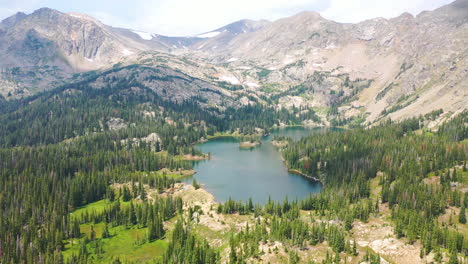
48 37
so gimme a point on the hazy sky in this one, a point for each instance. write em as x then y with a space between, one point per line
189 17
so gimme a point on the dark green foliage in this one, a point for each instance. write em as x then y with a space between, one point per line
453 258
462 215
347 160
293 257
184 247
371 258
195 184
280 223
155 228
382 93
59 151
105 232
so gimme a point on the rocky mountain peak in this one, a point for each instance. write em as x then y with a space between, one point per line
461 4
12 20
244 26
46 12
405 16
309 15
399 67
454 13
83 17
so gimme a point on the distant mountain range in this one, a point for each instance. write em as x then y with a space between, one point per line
364 72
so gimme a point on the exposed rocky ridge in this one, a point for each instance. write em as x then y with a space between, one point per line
12 20
371 70
166 83
421 59
219 38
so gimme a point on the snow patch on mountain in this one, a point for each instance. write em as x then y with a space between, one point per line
143 35
252 84
209 34
230 79
126 52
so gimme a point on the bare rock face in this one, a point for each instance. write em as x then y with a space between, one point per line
11 21
216 40
374 70
416 64
44 49
49 37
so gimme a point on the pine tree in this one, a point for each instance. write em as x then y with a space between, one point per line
337 258
151 232
250 205
110 195
462 216
92 234
142 191
293 257
453 258
232 253
76 233
195 184
437 255
126 194
131 215
105 232
355 252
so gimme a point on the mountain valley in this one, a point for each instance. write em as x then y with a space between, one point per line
300 140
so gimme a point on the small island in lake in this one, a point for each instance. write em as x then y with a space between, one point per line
279 144
249 144
250 141
280 141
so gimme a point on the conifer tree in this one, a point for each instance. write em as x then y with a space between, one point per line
195 184
462 215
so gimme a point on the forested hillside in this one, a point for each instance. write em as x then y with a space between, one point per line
93 166
102 128
66 148
416 171
83 168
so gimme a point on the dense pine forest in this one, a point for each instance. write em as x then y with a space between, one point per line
81 167
63 149
401 158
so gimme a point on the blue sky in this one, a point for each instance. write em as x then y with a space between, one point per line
189 17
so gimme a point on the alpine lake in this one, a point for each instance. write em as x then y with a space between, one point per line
258 173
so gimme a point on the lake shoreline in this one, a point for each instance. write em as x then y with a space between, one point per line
258 173
298 172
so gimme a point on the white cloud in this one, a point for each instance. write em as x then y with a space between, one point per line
183 17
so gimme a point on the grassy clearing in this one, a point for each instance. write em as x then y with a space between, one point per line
165 172
271 88
375 188
125 244
225 134
219 239
95 207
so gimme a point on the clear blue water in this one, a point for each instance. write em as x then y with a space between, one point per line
256 173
